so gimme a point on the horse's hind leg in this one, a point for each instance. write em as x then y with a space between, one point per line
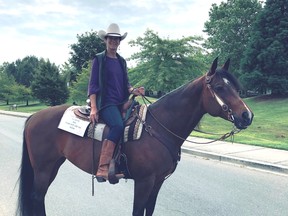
42 180
40 187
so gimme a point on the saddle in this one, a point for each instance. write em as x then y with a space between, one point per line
133 116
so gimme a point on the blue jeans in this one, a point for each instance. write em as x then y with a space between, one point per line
111 115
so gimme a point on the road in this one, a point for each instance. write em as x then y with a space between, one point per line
198 187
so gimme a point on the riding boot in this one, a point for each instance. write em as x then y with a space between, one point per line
105 158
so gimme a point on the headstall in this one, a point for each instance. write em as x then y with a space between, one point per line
224 106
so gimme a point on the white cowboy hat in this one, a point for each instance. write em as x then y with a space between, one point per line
113 30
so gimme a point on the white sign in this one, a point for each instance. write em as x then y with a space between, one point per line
72 124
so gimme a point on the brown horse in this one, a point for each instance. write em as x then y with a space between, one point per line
149 160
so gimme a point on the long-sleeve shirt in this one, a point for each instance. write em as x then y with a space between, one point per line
115 77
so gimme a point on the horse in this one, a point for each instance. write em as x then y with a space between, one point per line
169 121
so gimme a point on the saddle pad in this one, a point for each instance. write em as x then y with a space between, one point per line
98 131
134 130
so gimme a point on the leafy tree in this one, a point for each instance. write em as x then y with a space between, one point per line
69 73
48 86
265 63
165 64
9 88
87 46
10 69
21 93
6 83
78 90
229 28
23 70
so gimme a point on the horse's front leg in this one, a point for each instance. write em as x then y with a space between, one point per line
142 192
150 206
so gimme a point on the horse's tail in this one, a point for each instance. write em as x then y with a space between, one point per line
26 179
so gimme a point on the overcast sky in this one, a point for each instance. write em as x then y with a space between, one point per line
46 28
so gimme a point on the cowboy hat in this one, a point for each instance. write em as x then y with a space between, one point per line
113 30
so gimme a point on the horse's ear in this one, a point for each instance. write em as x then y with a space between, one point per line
213 67
226 65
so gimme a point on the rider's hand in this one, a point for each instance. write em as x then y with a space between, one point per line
138 91
94 115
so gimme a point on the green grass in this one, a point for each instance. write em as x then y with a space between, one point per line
21 107
269 127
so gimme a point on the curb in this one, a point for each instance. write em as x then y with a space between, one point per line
16 114
240 161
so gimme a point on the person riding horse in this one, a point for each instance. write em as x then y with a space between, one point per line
150 159
108 89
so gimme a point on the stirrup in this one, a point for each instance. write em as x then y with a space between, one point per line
114 177
100 179
120 176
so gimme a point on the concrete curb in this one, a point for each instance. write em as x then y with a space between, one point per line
16 114
240 161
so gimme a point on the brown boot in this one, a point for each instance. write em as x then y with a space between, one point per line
105 158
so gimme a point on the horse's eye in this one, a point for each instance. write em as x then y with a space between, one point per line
219 88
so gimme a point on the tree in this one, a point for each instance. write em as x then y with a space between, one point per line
21 93
87 46
9 88
69 73
165 64
78 90
23 70
265 63
229 28
6 83
48 86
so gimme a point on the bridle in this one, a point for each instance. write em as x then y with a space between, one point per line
224 106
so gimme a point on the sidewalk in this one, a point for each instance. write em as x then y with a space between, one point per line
247 155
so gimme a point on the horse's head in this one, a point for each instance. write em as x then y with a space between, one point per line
221 96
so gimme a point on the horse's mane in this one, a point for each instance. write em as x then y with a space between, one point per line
175 91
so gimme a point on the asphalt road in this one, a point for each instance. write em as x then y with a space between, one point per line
198 187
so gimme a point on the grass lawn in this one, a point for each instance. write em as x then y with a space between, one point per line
269 127
21 107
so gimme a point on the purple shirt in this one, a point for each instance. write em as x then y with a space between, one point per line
114 81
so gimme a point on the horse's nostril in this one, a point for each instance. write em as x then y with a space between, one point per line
247 118
245 115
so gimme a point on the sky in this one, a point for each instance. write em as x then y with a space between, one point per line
47 28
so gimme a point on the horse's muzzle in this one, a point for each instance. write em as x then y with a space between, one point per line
243 121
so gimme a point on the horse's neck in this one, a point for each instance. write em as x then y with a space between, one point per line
181 110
